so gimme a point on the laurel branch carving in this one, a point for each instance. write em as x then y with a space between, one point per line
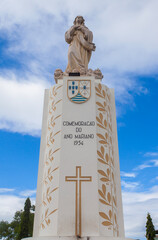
46 219
105 152
51 161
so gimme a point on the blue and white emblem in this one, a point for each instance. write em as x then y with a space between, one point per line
79 91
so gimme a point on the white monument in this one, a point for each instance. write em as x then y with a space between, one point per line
79 190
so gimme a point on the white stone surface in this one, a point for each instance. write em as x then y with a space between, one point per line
76 238
100 210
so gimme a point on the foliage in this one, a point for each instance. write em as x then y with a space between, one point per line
5 230
150 230
21 225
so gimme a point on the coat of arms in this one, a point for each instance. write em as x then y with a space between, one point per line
79 91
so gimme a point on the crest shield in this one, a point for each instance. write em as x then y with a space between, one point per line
78 91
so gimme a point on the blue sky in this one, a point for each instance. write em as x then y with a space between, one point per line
32 46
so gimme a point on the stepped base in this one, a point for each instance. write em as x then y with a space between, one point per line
77 238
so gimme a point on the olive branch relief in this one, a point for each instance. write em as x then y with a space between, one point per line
101 122
48 177
53 106
102 157
51 123
47 197
108 218
51 138
46 219
105 157
53 93
50 158
99 92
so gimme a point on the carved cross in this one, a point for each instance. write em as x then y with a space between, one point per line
78 179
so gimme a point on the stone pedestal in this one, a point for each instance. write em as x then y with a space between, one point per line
79 191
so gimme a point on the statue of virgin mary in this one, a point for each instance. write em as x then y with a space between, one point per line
79 38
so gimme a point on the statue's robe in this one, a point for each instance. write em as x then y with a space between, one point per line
80 50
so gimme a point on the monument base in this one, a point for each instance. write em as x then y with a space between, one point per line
77 238
79 189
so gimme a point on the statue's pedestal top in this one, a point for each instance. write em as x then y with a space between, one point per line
96 74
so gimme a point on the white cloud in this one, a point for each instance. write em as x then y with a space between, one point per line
155 161
130 175
129 185
124 34
21 104
6 190
143 166
151 154
27 193
136 205
11 203
124 31
147 164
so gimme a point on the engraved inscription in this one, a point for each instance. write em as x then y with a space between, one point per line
78 132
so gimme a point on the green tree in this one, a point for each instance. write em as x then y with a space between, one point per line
9 231
150 230
5 231
15 224
24 230
21 225
31 221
